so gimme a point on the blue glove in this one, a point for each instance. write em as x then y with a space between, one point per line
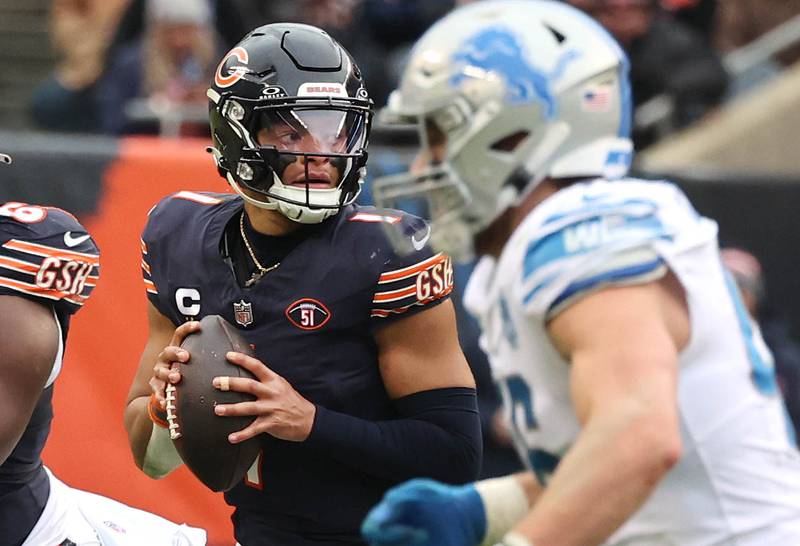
423 512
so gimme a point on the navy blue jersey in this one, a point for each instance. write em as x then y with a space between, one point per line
46 255
311 320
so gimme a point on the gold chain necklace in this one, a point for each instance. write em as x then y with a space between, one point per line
256 276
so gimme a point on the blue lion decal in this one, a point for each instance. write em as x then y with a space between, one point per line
497 50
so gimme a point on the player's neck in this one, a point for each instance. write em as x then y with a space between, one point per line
269 222
545 189
493 239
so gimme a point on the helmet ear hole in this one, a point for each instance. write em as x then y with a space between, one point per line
510 142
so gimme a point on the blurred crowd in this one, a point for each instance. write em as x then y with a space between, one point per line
141 66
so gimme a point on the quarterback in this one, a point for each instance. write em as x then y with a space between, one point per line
349 402
634 384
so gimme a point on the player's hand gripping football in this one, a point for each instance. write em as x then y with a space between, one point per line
279 409
167 367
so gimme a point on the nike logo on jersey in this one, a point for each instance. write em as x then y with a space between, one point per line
419 244
71 241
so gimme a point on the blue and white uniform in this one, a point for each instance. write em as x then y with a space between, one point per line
738 480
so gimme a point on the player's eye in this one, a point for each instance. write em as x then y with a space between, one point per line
290 137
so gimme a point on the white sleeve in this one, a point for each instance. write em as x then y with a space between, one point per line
582 253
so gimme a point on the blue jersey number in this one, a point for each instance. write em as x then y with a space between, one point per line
523 420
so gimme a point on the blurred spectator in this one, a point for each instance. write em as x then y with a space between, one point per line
336 17
377 32
742 21
230 20
388 30
698 14
667 57
164 73
775 330
80 31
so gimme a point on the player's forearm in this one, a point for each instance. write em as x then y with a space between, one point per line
438 436
139 427
149 436
606 476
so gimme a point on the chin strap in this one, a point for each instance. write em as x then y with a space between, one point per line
297 213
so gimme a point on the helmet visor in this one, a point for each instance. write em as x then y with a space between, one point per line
311 131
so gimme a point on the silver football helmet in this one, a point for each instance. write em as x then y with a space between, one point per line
5 159
512 92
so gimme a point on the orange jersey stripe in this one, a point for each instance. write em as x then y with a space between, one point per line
39 291
395 294
144 246
386 312
410 271
18 265
42 250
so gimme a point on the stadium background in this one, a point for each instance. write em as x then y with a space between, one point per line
741 168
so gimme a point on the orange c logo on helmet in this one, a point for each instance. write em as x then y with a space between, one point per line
234 75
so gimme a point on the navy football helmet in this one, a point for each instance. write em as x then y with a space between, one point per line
290 94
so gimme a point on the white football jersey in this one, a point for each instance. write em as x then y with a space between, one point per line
738 480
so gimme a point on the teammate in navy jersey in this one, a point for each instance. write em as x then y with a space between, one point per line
361 382
49 266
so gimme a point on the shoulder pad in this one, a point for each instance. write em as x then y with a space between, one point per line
47 254
406 234
590 239
412 276
172 211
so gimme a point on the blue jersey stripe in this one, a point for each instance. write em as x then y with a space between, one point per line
590 234
615 275
535 290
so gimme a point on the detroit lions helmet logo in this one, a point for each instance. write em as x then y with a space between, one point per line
498 50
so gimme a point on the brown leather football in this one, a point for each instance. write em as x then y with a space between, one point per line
200 435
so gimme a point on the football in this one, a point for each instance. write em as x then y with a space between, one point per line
199 435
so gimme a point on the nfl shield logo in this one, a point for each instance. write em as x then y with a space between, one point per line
243 313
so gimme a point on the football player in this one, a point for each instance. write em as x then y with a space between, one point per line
635 388
361 381
49 266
